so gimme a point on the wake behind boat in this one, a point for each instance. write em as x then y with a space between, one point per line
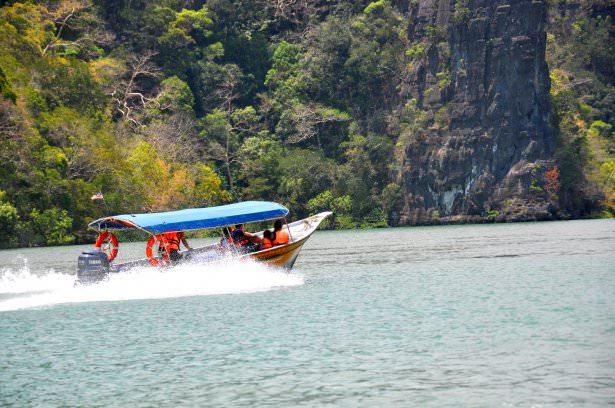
96 264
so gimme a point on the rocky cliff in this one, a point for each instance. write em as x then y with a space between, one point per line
477 138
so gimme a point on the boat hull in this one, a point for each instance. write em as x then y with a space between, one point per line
283 256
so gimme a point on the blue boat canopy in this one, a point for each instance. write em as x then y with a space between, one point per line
194 218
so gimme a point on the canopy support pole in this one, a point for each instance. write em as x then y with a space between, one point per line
230 245
290 236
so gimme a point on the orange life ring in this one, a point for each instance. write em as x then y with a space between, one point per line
149 250
113 243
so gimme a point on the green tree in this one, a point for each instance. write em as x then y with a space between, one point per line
304 175
9 219
53 226
185 40
259 171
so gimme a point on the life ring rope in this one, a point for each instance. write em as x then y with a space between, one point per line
108 243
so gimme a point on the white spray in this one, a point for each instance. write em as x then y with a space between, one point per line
22 289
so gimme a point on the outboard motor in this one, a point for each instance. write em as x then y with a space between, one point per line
92 267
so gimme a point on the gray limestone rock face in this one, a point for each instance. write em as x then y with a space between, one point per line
480 85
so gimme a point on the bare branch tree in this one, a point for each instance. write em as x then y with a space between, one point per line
222 153
227 92
308 120
223 150
174 138
61 23
11 127
294 11
128 94
72 15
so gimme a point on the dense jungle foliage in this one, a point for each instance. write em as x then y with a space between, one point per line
581 57
167 104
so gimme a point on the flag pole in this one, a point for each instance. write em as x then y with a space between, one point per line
100 197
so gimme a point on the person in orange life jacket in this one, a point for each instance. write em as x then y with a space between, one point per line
173 241
244 239
280 235
267 241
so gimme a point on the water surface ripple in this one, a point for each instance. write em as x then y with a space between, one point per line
487 315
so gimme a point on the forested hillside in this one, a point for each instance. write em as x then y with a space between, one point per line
581 57
364 108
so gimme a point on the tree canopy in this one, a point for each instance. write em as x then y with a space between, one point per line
166 104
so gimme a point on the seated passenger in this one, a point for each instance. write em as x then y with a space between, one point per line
267 241
280 234
173 242
244 239
226 241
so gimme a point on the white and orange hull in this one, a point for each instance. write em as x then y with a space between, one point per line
283 256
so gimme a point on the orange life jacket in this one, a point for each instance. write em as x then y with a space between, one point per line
173 240
266 243
281 238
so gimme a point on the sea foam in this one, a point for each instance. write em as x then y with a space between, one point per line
21 289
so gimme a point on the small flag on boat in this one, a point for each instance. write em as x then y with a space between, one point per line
98 196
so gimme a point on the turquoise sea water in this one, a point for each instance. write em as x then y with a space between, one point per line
486 315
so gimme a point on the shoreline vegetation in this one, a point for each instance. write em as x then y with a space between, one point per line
166 104
215 234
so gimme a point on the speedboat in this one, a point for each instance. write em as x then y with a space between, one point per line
96 264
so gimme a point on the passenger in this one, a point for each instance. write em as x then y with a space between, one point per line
226 242
173 242
280 235
267 241
244 240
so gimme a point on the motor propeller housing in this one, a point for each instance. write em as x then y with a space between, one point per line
92 266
